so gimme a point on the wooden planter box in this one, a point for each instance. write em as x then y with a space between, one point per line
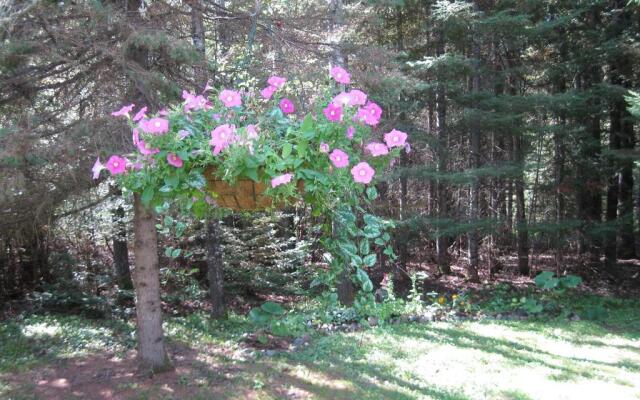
244 195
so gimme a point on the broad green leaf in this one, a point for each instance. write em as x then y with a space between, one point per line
258 317
286 150
371 232
176 253
361 275
302 149
356 261
364 247
272 308
348 248
307 123
147 196
252 174
171 180
370 260
571 281
372 193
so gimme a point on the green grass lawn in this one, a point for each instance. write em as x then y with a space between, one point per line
552 359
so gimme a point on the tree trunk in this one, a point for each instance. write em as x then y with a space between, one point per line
121 251
152 355
199 42
558 161
521 219
610 245
215 269
589 179
441 136
626 249
474 192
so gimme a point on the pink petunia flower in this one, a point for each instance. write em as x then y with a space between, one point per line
97 168
287 106
193 102
230 98
340 75
135 135
339 158
377 149
333 112
174 160
357 98
281 180
183 133
277 82
156 126
342 99
350 131
116 165
268 92
324 148
221 137
142 113
252 132
395 138
125 110
207 87
146 149
362 172
370 114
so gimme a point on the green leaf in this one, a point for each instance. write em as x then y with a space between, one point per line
386 237
147 196
364 246
546 280
252 174
571 281
370 260
167 251
373 221
371 232
176 253
315 282
389 252
171 180
372 193
272 308
348 248
307 124
356 261
196 180
286 150
379 242
361 275
363 278
302 149
258 317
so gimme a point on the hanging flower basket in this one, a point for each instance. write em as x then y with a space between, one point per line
243 195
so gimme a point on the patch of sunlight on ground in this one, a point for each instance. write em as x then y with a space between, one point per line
486 361
41 329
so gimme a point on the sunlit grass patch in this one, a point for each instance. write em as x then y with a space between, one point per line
41 338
